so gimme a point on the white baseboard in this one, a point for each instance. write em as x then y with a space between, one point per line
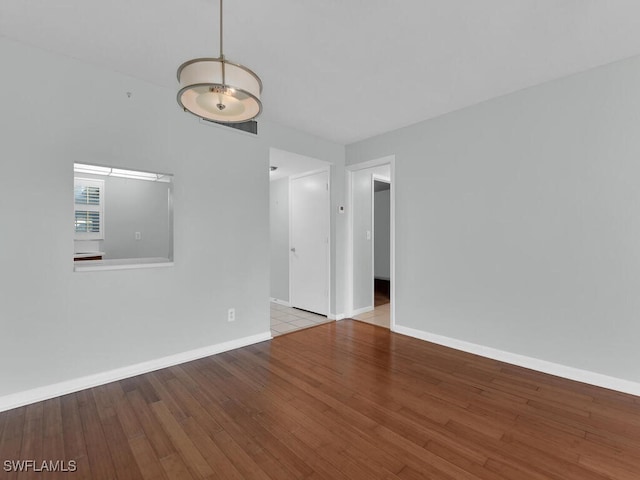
339 316
571 373
280 302
27 397
358 311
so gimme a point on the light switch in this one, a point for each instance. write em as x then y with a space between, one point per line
368 234
138 236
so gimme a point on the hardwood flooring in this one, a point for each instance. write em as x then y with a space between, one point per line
344 400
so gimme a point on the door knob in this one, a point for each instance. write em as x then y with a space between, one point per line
293 249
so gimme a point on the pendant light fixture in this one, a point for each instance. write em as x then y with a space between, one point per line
218 90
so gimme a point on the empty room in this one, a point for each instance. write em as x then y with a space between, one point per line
250 239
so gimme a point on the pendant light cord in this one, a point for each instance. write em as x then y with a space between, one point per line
222 54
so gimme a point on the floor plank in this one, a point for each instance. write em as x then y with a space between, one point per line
32 438
75 448
344 400
100 462
53 441
11 442
195 462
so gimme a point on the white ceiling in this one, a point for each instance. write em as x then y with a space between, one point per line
289 163
343 70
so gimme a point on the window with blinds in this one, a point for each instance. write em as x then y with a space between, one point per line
88 208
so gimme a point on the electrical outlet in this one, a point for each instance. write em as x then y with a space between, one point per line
231 315
138 236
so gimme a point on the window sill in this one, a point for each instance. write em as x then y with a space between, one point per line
121 264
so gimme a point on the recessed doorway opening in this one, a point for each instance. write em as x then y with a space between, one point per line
371 252
300 211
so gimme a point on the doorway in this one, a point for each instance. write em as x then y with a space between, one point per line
300 241
371 253
382 244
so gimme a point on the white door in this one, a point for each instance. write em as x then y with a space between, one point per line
309 255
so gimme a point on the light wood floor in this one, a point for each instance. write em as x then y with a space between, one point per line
381 314
343 400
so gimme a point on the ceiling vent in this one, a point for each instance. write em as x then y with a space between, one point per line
249 127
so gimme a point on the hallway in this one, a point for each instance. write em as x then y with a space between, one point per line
381 314
287 319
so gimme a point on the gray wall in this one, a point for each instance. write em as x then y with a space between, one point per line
518 222
220 175
136 206
279 217
382 234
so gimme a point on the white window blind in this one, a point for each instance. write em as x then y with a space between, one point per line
88 208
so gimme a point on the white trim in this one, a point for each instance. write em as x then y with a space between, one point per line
372 163
290 235
373 239
39 394
348 299
280 302
336 317
381 178
329 242
358 311
392 246
571 373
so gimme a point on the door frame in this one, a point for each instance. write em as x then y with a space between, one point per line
350 170
326 169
